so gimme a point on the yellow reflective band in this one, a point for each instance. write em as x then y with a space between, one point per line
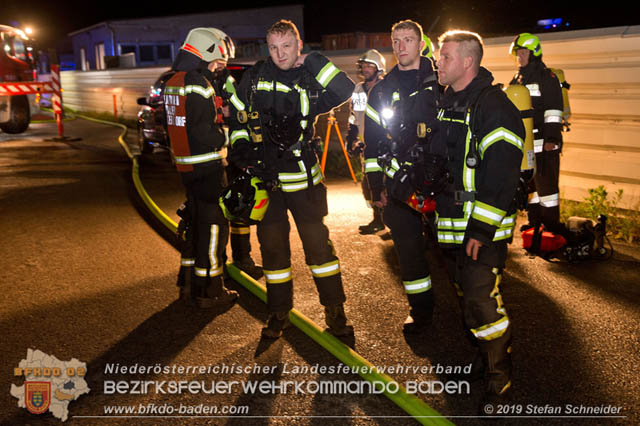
236 102
497 135
187 262
202 158
534 89
492 331
239 134
294 187
417 286
213 245
371 165
452 224
326 74
295 177
372 114
212 272
487 214
240 230
325 270
553 116
205 93
549 200
278 277
450 237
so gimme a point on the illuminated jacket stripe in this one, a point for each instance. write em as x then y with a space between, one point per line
183 91
498 135
325 270
417 286
326 74
373 115
549 200
278 276
487 214
187 261
239 230
371 165
393 168
202 158
239 134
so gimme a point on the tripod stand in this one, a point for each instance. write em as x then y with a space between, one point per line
332 122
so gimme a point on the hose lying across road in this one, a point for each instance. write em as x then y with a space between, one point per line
414 406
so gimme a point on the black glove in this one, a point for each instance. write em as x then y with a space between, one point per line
352 136
245 155
356 148
401 186
521 198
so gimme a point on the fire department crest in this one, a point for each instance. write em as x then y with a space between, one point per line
37 396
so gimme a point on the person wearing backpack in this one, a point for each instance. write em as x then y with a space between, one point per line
271 123
482 140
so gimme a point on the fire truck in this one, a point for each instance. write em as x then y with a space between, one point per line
17 65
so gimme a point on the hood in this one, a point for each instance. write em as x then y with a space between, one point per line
186 61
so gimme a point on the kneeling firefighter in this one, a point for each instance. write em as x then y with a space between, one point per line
197 142
272 126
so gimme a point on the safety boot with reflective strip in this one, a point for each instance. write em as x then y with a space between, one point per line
337 321
276 323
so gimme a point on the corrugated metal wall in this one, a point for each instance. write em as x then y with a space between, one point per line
602 66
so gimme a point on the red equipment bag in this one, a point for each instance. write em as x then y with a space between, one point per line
549 242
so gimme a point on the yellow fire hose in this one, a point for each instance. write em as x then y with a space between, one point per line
414 406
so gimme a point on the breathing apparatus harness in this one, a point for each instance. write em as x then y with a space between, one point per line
284 132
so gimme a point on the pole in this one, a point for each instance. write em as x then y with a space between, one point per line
56 98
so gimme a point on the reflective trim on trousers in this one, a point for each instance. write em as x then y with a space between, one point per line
417 286
325 270
549 200
279 276
187 261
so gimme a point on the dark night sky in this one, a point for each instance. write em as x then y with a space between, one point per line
54 19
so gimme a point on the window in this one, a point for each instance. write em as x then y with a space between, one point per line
146 54
127 48
164 52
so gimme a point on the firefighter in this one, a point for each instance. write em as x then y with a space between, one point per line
482 140
225 86
371 66
400 119
546 99
197 142
273 114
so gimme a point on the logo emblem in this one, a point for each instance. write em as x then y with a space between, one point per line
37 396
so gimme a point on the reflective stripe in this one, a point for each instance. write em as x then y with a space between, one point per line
371 165
451 237
393 168
487 214
294 177
549 200
417 286
492 331
239 134
534 89
325 270
187 262
373 114
236 102
497 135
278 277
453 224
202 158
538 145
553 116
359 101
268 86
534 199
205 93
326 74
239 230
293 187
213 245
212 272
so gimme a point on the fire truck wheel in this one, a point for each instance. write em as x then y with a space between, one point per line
20 116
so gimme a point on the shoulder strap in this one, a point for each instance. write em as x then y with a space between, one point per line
473 159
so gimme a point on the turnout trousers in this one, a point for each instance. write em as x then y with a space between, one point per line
407 228
308 208
544 203
203 253
477 284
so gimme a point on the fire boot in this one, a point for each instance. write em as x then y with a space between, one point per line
241 251
337 321
375 225
215 295
476 373
185 281
496 356
277 322
416 323
420 313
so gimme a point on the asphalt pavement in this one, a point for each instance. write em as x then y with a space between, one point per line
88 273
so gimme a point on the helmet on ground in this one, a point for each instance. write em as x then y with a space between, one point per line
245 200
526 41
229 47
428 49
372 56
206 44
